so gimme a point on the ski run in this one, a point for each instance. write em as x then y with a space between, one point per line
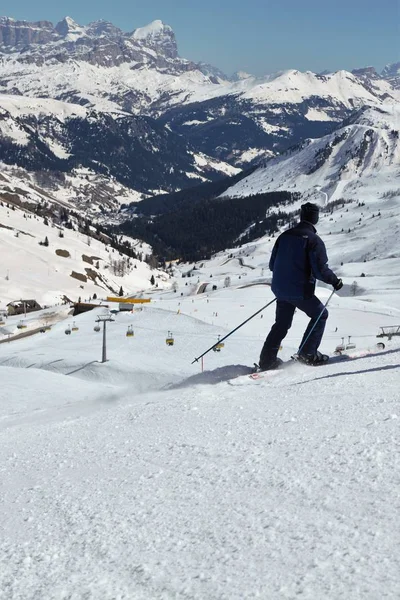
144 477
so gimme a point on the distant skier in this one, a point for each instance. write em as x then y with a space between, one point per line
297 260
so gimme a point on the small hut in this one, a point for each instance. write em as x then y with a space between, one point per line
19 307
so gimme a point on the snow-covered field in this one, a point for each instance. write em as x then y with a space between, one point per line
145 478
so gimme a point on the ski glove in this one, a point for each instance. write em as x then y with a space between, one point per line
338 285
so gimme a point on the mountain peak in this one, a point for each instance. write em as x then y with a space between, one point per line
158 36
153 29
69 26
366 72
103 28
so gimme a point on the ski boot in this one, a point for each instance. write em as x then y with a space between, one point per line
313 360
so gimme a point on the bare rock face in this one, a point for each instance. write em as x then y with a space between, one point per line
99 43
103 28
68 26
21 33
366 72
158 37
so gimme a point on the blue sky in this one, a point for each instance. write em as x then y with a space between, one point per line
258 36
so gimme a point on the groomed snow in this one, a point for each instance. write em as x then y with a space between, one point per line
145 478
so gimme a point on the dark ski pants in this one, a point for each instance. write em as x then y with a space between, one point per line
283 322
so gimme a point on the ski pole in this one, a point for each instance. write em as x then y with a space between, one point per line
315 324
233 331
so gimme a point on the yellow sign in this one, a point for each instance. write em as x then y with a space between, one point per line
129 300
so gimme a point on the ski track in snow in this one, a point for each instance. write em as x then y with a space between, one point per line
285 487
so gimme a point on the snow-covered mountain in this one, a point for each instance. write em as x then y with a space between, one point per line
77 152
235 119
392 73
363 154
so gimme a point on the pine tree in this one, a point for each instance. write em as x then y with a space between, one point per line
152 280
121 292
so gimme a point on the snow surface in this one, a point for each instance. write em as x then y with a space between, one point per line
31 270
157 89
155 28
144 477
362 161
21 105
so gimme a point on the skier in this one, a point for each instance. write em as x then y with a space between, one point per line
297 260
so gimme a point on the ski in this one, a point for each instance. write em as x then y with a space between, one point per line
271 374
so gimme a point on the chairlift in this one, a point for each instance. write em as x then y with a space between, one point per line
21 325
389 331
74 327
170 339
68 330
96 328
130 332
219 345
349 345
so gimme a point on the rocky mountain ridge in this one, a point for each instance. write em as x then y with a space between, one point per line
96 159
152 122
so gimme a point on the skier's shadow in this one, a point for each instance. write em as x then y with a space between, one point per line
213 377
344 373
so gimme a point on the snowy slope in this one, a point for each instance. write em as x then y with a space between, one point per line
356 169
361 155
31 270
145 478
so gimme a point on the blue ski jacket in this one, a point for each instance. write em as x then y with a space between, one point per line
297 260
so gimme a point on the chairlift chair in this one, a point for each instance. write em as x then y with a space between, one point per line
218 347
130 332
74 327
349 345
170 339
68 330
